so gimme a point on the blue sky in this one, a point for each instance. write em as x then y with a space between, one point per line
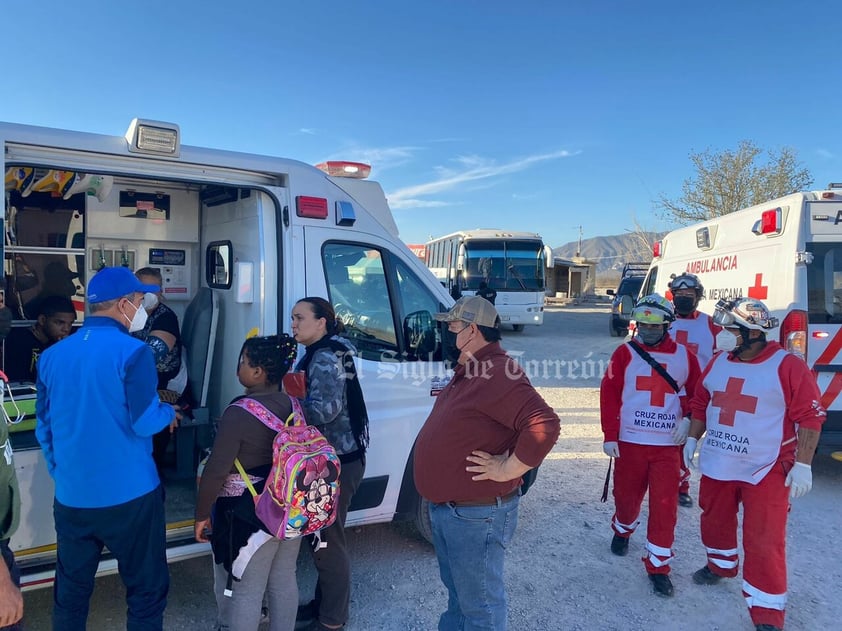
541 116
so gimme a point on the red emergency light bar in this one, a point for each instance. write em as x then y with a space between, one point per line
339 168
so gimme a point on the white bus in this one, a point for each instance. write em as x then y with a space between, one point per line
511 263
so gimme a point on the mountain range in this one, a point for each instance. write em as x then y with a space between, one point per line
612 252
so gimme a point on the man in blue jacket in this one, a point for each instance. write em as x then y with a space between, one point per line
97 409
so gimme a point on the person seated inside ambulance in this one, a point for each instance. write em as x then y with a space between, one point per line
58 281
23 346
163 335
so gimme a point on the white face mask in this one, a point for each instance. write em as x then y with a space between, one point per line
150 301
726 341
138 321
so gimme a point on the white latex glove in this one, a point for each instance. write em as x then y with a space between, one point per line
611 449
690 452
799 480
680 431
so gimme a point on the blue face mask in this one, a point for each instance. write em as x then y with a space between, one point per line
650 337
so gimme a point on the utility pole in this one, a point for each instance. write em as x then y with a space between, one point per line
579 246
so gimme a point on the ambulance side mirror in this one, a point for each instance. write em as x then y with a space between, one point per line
419 329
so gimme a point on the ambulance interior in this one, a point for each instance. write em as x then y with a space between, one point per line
205 238
57 236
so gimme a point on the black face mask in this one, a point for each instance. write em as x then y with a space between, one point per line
685 305
451 351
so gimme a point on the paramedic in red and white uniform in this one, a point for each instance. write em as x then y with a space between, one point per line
697 331
759 409
643 422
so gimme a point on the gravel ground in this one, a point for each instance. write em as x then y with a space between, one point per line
560 572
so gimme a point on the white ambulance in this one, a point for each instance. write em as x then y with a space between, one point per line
787 253
238 239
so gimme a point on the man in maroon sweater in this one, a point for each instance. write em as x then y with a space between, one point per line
487 428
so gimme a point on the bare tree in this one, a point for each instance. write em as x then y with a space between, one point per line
639 247
730 180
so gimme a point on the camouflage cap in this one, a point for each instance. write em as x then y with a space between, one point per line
473 310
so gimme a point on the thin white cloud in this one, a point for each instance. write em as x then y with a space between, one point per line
414 203
380 158
473 168
824 153
308 130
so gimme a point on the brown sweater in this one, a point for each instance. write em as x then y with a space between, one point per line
488 405
239 435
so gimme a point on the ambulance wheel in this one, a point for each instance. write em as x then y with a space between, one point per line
517 327
612 329
422 519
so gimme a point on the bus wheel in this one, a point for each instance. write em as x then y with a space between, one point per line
517 327
422 519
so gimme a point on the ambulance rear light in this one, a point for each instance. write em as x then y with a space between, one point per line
312 207
154 137
770 222
794 333
657 249
338 168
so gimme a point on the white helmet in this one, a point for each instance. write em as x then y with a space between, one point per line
744 312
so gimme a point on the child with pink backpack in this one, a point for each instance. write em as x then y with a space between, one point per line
248 559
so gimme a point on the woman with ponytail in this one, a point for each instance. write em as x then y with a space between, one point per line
248 561
334 404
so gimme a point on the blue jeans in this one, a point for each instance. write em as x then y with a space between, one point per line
470 544
135 533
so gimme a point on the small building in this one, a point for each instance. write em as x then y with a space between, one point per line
571 278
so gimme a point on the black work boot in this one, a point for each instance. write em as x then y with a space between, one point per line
706 577
767 627
306 613
620 545
685 500
662 584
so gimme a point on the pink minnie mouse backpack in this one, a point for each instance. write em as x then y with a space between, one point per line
301 493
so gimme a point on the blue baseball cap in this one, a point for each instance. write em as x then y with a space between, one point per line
111 283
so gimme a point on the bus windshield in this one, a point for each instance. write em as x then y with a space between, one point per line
504 265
